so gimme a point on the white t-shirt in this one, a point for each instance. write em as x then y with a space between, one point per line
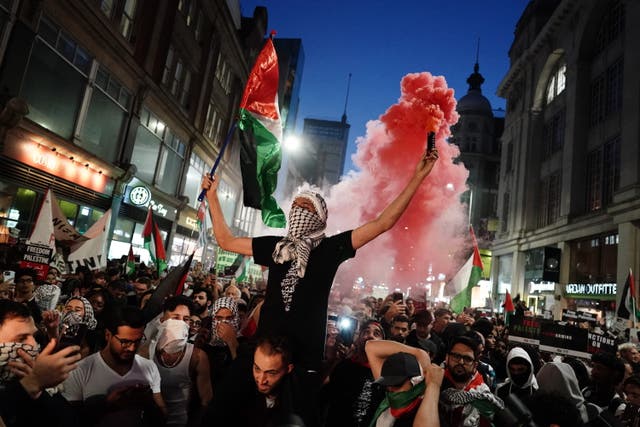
94 377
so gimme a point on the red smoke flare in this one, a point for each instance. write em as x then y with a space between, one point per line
434 227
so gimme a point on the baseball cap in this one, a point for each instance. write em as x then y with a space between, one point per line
398 368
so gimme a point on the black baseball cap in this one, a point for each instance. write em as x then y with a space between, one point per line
398 368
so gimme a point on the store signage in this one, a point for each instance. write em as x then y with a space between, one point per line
591 288
542 287
46 157
578 316
191 222
140 195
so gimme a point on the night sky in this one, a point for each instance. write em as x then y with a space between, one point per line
381 41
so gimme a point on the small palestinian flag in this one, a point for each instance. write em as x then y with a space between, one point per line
153 243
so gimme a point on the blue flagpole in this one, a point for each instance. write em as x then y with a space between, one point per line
215 165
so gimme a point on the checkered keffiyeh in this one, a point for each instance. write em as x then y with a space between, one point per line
9 353
306 231
231 305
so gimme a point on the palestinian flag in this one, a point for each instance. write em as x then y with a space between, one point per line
261 135
131 263
202 225
153 243
242 273
509 308
473 270
627 304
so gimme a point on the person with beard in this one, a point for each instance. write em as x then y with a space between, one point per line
350 395
262 390
399 328
305 262
465 399
421 336
498 359
607 371
202 300
116 386
400 370
521 379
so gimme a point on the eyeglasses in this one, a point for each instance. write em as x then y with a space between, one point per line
457 357
129 343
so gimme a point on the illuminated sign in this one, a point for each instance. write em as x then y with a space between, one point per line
140 195
46 157
591 288
542 287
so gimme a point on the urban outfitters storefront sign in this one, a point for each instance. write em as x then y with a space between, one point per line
591 290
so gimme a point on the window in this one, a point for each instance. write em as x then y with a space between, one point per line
505 212
549 200
556 83
509 157
122 14
176 77
158 153
223 73
55 79
553 134
106 119
606 93
197 168
213 124
603 174
612 25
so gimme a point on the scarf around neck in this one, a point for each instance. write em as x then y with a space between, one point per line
401 402
306 231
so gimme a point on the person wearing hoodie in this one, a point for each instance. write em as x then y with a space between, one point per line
556 378
521 380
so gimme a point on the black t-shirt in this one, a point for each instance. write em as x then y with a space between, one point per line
305 323
351 396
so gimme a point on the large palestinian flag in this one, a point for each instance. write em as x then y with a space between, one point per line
261 135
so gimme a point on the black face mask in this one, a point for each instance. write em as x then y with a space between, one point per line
520 379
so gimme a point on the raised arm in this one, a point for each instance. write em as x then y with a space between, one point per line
226 240
427 415
390 215
378 351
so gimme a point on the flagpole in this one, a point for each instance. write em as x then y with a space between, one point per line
217 162
633 298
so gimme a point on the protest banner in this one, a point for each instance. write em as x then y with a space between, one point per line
564 339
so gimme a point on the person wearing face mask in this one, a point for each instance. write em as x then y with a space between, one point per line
521 379
181 365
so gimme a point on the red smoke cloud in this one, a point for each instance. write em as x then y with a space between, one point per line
434 227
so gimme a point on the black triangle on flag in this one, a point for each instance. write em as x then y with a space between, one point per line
172 284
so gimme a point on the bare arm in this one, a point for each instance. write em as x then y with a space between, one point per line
226 240
159 401
427 415
203 378
378 351
390 215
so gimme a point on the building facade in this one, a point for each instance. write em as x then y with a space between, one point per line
477 134
125 105
570 178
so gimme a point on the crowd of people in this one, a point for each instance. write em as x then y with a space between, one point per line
100 348
82 350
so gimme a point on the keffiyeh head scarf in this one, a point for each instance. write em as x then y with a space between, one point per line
89 318
9 353
231 305
306 231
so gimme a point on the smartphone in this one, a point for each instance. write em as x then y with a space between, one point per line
397 296
347 327
72 335
431 142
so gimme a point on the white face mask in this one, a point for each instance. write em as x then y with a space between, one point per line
172 336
